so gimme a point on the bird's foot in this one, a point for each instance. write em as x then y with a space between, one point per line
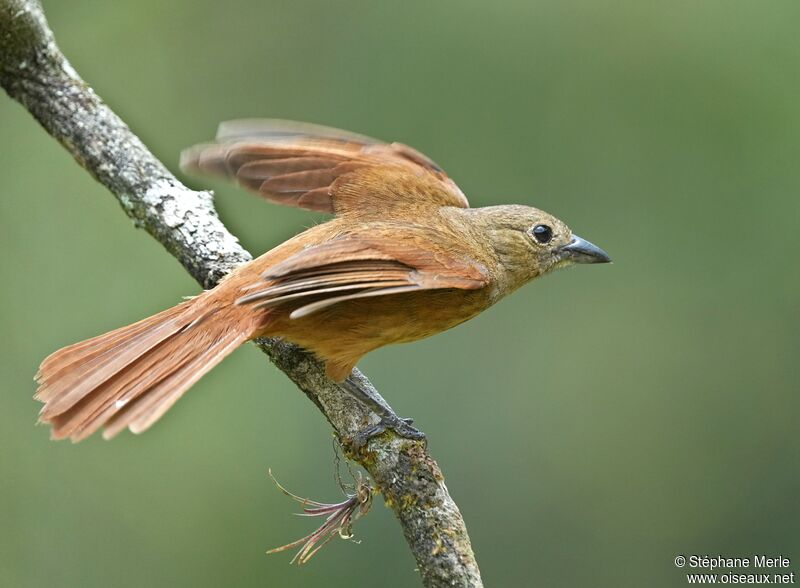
389 421
399 426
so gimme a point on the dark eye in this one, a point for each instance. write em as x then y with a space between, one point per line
542 234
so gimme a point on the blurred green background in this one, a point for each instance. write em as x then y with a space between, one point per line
591 427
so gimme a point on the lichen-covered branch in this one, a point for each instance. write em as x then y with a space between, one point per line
34 72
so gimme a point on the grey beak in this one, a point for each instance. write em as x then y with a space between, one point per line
581 251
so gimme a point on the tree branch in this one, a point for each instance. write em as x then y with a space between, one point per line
34 72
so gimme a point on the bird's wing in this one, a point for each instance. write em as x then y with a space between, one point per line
323 169
356 267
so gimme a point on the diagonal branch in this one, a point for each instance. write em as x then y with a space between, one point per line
34 72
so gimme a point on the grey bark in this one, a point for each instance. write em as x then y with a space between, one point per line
34 72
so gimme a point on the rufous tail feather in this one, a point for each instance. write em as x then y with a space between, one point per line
131 376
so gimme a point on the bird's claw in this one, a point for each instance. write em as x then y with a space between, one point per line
399 426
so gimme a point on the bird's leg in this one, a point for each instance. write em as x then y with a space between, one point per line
370 398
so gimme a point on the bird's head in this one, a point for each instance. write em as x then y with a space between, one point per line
529 242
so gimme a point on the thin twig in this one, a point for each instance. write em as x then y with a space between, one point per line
34 72
340 517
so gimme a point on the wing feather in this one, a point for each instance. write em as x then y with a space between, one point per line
323 169
359 267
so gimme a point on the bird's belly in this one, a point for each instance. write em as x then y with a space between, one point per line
346 331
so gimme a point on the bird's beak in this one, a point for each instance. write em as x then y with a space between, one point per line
581 251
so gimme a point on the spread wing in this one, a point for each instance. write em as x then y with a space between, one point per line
356 267
323 169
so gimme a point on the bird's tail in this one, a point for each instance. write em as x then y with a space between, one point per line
133 375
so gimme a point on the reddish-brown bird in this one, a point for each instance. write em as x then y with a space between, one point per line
403 258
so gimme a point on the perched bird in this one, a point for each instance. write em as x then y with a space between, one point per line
403 258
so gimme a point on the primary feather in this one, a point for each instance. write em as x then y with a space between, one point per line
320 168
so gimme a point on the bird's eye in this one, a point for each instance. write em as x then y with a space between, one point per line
542 234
